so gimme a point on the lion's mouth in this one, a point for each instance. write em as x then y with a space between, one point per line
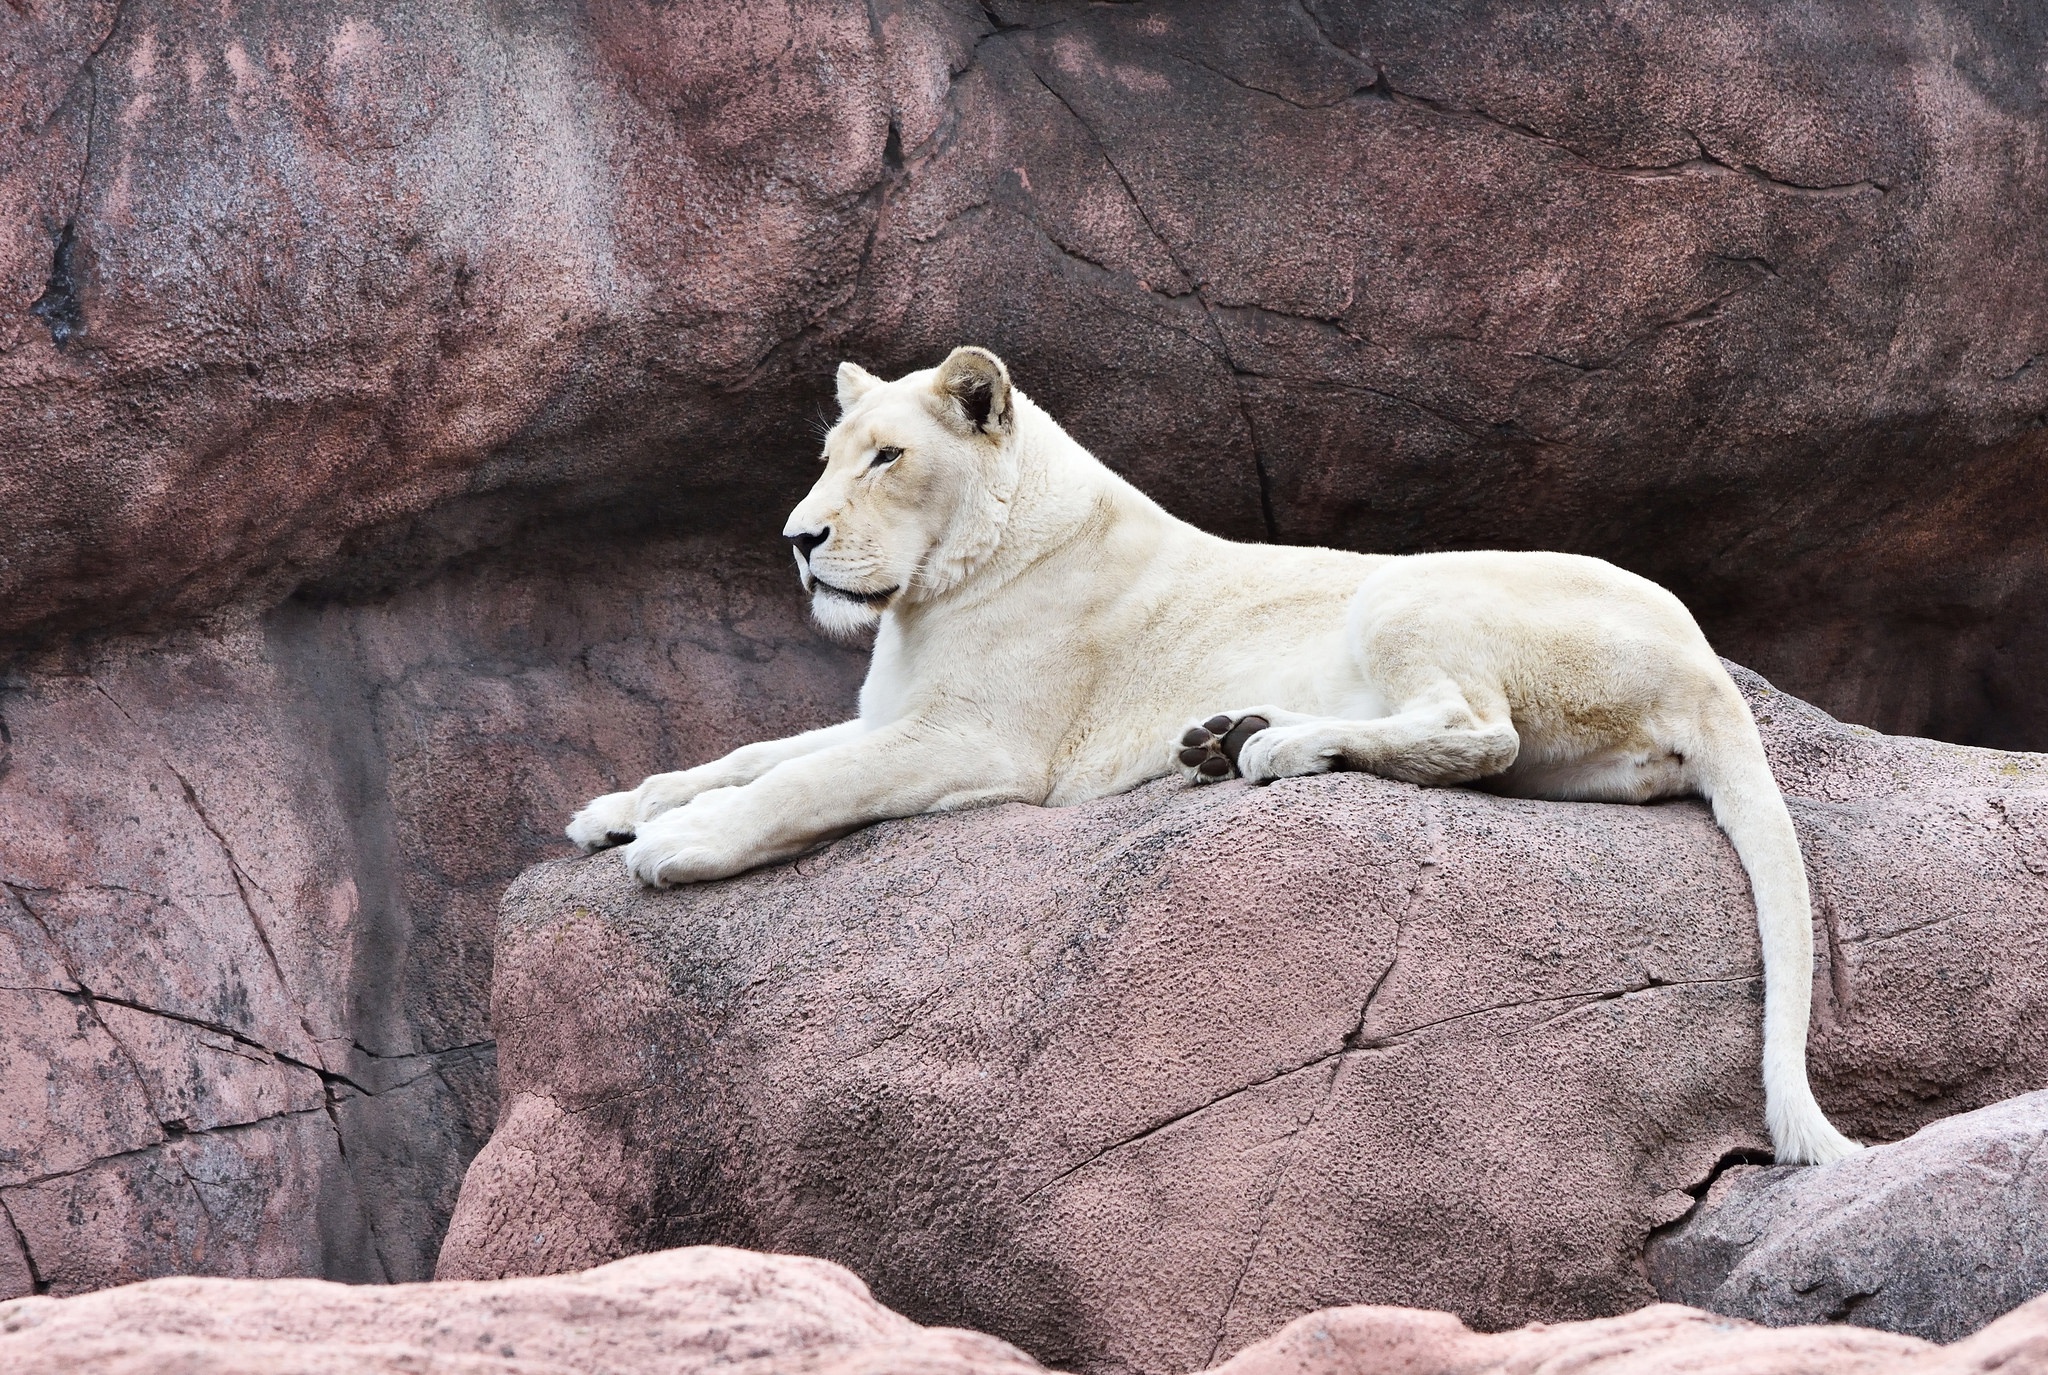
860 598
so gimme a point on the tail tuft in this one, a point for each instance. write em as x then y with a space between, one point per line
1810 1139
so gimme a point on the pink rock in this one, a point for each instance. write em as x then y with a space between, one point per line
1133 1084
248 883
1933 1236
313 292
706 1309
1651 1341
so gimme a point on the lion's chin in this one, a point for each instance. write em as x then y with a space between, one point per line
843 618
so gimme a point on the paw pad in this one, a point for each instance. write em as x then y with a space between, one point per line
615 838
1211 749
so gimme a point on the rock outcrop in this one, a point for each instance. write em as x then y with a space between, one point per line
1934 1236
690 1312
1751 303
710 1309
398 402
1132 1084
1651 1341
248 881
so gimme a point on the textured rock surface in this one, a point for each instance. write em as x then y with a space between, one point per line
336 299
1935 1235
248 880
1652 1341
705 1309
683 1312
1133 1083
1751 302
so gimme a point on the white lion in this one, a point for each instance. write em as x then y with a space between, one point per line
1045 633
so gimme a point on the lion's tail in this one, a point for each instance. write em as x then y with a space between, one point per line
1735 777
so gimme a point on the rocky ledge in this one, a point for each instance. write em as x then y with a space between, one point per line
1134 1084
706 1308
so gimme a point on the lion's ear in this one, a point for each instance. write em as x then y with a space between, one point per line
973 390
855 382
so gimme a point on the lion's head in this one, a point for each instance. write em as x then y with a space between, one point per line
918 476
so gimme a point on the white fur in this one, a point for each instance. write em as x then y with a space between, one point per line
1045 633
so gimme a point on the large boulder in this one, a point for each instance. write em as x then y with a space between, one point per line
398 399
1751 301
689 1312
1934 1236
716 1311
1133 1083
1652 1341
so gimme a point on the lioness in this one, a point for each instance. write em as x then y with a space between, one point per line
1046 633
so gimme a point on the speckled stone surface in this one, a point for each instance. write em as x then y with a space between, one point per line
1133 1083
1935 1235
715 1311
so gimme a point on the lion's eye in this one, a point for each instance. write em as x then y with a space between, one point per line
886 455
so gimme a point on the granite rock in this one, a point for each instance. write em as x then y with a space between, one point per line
1133 1083
1934 1236
715 1311
1749 301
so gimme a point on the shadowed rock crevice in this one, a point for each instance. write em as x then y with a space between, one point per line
58 306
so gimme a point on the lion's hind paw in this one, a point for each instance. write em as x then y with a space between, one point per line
1208 750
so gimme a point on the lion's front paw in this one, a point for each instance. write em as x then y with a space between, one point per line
1287 752
664 792
607 821
681 846
1208 750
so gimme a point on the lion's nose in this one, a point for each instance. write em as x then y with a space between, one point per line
807 540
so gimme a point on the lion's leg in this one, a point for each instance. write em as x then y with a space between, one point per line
616 818
1435 741
897 770
1436 738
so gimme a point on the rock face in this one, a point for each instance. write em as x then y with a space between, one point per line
1935 1235
680 1313
710 1309
397 402
1751 303
248 880
1652 1341
1132 1084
